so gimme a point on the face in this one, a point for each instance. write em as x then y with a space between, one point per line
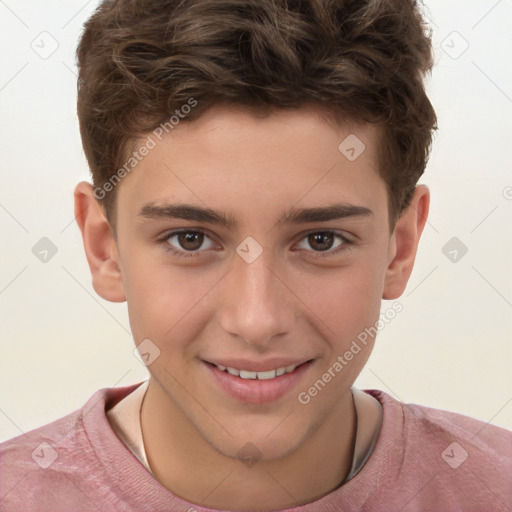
258 273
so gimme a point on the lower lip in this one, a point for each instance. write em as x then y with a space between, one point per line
257 391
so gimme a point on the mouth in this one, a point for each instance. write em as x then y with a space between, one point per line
263 375
257 383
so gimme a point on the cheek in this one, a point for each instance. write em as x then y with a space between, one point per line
149 296
163 299
346 299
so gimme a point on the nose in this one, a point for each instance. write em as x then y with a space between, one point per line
258 307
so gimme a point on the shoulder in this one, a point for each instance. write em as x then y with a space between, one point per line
36 459
52 463
432 422
481 438
438 458
34 449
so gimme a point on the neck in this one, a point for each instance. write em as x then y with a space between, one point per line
190 464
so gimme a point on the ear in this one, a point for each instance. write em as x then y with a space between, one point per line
404 243
99 244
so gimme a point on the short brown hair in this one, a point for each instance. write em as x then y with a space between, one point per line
140 60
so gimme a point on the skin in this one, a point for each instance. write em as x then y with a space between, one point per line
289 302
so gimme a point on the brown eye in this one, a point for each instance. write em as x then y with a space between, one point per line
190 240
186 243
321 241
325 243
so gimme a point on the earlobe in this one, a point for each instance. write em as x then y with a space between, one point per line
405 242
99 245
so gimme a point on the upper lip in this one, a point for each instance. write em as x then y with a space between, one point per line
257 366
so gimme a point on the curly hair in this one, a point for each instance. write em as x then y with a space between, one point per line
141 60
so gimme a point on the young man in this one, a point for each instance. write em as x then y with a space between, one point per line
254 198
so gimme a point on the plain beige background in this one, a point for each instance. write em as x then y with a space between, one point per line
451 345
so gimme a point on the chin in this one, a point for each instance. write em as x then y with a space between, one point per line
256 447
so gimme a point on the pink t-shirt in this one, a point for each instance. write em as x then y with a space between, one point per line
424 460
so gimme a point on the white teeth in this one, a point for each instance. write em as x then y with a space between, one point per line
267 375
246 374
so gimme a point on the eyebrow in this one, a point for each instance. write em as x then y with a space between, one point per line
293 216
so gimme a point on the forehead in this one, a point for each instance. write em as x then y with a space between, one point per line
231 158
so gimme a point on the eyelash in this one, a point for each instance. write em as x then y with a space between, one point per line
346 246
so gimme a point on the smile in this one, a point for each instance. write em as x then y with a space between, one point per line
257 382
267 375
